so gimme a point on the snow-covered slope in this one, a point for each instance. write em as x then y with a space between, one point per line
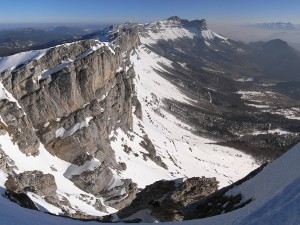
185 154
275 191
11 62
175 28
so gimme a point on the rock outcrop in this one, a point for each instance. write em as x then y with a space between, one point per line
166 200
6 164
21 199
36 182
18 125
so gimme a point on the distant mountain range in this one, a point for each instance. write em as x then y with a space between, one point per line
277 26
24 39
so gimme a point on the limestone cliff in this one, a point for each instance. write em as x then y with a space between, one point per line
71 99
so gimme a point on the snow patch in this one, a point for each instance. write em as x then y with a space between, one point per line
11 62
63 133
87 166
166 30
47 73
249 79
209 35
43 205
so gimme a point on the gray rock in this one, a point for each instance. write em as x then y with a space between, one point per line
167 200
6 163
150 148
98 181
121 196
39 183
94 181
72 112
20 128
33 181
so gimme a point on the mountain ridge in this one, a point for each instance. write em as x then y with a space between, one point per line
155 102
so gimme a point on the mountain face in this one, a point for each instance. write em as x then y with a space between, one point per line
278 60
85 126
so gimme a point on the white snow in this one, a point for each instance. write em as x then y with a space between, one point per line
45 74
47 163
63 133
251 95
144 215
249 79
166 30
10 62
292 113
4 94
87 166
212 70
255 96
145 63
185 154
43 205
259 106
119 70
275 190
209 35
46 124
110 48
274 131
90 50
264 101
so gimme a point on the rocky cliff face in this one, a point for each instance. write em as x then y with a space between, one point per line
93 79
71 99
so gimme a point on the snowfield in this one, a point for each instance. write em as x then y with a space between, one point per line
166 30
10 62
185 154
275 190
170 30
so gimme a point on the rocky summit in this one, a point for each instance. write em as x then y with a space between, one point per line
147 122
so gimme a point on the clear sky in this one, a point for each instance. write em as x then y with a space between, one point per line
116 11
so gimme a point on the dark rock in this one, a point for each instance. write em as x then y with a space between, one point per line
167 199
21 199
149 147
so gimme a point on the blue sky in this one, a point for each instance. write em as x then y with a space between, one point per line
116 11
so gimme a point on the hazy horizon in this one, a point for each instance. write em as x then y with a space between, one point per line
230 18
